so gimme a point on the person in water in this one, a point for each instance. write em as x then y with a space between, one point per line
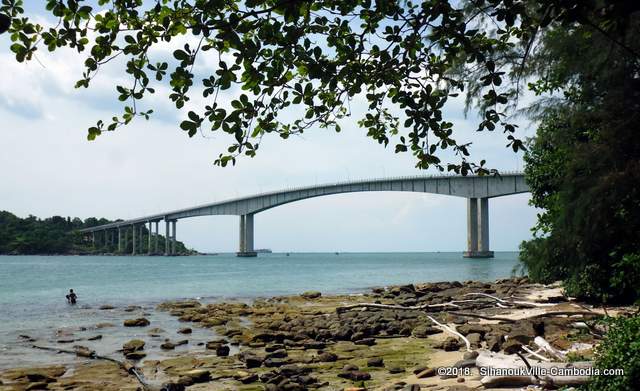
71 297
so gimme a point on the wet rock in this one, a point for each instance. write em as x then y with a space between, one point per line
37 386
293 370
168 346
185 330
138 322
132 308
133 346
135 356
411 387
314 345
66 340
251 360
107 307
375 362
173 387
104 325
273 348
311 294
95 338
181 342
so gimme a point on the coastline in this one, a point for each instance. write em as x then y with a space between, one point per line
239 344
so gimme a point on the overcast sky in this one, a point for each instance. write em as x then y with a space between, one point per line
47 167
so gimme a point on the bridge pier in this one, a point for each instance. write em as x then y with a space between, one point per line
478 228
119 240
246 236
157 238
133 239
173 237
149 242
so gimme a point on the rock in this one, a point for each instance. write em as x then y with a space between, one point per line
375 362
280 353
37 386
213 345
181 342
133 346
429 372
311 294
185 330
167 346
198 375
132 308
94 338
350 367
450 344
274 362
411 387
327 357
394 370
474 339
355 375
135 355
424 331
293 370
104 325
314 345
251 360
107 307
251 378
365 341
66 340
470 355
173 387
222 351
139 322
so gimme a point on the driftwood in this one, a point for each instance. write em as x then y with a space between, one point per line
82 351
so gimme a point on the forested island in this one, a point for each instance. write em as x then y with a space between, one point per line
59 235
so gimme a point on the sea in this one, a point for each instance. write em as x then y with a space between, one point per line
34 311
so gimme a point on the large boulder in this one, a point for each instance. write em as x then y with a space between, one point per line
311 294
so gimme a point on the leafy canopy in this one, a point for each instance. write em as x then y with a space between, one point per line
407 59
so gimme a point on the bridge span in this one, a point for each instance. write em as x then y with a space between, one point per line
476 189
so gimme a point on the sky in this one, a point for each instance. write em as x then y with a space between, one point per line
47 167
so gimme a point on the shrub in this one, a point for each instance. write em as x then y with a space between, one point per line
620 349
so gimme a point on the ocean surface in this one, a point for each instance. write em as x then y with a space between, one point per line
33 289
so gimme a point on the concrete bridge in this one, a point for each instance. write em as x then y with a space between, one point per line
476 189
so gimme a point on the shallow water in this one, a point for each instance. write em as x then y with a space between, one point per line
33 288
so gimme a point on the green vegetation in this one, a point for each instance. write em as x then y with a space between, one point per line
620 349
584 164
59 235
277 58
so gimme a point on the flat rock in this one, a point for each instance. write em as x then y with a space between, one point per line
138 322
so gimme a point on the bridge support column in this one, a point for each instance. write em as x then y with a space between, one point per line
134 240
478 228
156 239
149 244
119 240
173 237
166 237
246 236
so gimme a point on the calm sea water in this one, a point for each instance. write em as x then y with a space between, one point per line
33 288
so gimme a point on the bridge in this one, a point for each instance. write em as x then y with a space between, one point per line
476 189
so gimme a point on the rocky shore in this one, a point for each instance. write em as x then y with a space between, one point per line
392 338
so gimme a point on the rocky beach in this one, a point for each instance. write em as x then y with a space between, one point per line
392 338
